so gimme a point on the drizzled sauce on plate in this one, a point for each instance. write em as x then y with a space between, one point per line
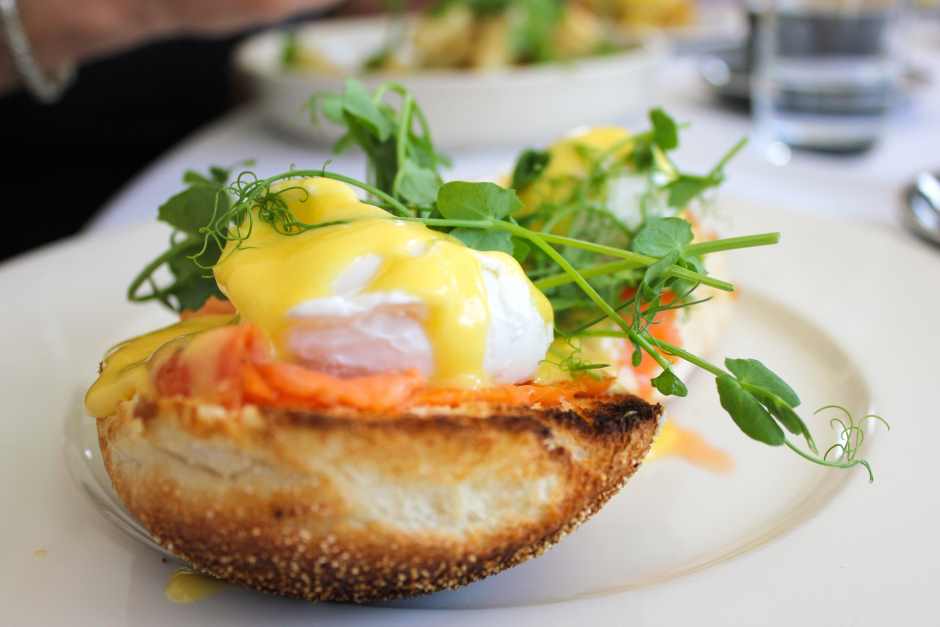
687 444
186 586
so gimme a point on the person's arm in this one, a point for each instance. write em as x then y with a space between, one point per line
63 32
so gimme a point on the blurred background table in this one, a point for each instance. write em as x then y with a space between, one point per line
863 187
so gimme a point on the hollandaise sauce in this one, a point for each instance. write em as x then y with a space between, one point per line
570 159
125 370
186 586
676 441
271 277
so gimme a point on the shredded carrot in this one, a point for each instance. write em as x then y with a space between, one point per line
232 365
256 388
212 306
547 395
376 392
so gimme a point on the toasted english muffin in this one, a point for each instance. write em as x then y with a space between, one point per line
344 506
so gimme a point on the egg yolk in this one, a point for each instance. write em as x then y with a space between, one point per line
125 370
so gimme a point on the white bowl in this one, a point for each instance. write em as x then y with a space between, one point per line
464 108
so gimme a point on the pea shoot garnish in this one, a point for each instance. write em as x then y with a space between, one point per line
606 273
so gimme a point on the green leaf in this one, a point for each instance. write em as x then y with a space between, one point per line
193 208
562 303
665 129
661 236
529 168
462 200
532 35
416 185
682 288
782 412
193 292
331 105
489 7
189 212
655 277
290 49
479 7
343 144
687 187
693 263
669 384
191 177
401 162
520 249
378 59
642 153
217 175
192 286
358 104
755 373
481 239
221 175
747 412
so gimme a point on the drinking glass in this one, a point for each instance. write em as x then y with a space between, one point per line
827 72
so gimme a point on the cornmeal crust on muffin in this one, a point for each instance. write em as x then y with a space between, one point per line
343 506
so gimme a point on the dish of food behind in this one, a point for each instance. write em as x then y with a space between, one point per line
466 108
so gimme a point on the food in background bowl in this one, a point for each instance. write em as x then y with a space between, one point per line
633 14
511 105
485 35
476 36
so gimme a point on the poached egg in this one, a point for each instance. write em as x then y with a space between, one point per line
376 294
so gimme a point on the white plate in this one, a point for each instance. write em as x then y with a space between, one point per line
775 542
506 107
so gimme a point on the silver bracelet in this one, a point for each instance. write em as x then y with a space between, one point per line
45 87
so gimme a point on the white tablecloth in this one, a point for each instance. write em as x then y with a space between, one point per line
865 187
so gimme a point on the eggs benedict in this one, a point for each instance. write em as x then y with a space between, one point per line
359 421
371 399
